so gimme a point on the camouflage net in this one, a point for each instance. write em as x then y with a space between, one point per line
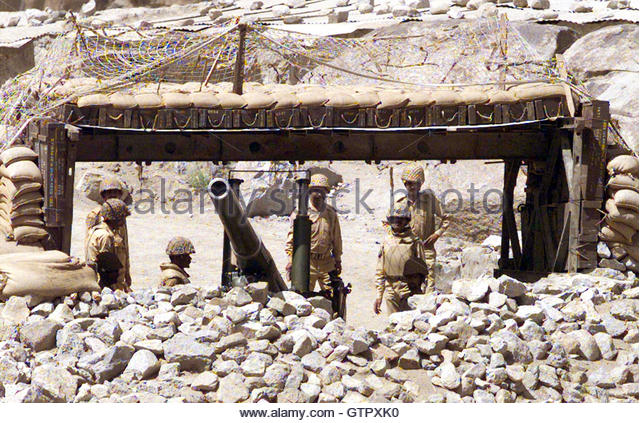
120 59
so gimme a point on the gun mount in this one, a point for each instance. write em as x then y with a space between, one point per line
252 259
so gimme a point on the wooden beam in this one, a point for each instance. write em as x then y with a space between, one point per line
238 70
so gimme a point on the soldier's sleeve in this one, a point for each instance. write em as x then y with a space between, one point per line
288 248
100 242
444 218
381 280
92 219
337 238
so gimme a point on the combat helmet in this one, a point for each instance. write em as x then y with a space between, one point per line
400 209
114 209
413 173
179 245
318 180
110 183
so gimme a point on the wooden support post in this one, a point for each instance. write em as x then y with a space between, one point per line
510 241
238 70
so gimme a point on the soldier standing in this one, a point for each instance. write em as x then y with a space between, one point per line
107 252
179 251
326 240
401 263
110 188
424 207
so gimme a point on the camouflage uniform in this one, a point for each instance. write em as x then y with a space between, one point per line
172 274
103 239
93 219
401 267
423 218
326 239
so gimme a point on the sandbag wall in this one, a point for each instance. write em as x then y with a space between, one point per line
21 197
618 248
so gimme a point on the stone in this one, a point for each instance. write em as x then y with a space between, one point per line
206 382
626 310
56 382
603 250
189 353
448 376
254 366
107 364
587 345
235 314
238 297
471 290
481 396
606 346
530 331
539 4
488 10
433 344
232 389
311 390
410 360
292 396
508 286
281 306
476 260
534 313
303 345
15 311
338 16
497 299
612 264
62 314
547 376
439 7
40 335
230 341
183 295
338 354
313 361
510 346
259 292
143 365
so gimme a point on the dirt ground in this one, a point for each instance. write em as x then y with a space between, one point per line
361 230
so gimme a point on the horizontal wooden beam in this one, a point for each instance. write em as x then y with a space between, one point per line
95 144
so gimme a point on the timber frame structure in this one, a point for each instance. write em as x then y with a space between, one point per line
561 145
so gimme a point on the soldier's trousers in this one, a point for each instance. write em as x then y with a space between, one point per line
398 293
319 273
430 260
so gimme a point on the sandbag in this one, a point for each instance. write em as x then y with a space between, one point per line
24 170
16 154
3 171
46 280
392 99
36 221
623 165
632 249
285 100
501 97
257 100
447 98
473 96
206 100
626 198
148 101
8 247
5 228
94 100
33 197
177 100
420 98
368 99
312 98
623 181
11 190
29 234
26 210
50 256
607 234
626 231
536 91
621 215
231 101
341 100
122 101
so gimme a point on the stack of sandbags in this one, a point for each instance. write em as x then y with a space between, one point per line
44 274
21 198
619 234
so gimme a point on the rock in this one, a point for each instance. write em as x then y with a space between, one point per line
539 4
603 250
510 346
108 364
488 10
439 7
602 377
338 354
580 7
303 345
624 310
508 286
409 360
475 4
613 326
533 313
15 311
448 376
476 260
497 300
107 331
281 306
183 295
311 390
612 264
55 382
588 347
481 396
62 313
143 365
254 365
190 354
365 8
606 346
256 5
290 395
232 389
40 335
520 3
530 331
230 341
313 361
471 290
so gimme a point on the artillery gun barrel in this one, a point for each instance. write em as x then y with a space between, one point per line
252 257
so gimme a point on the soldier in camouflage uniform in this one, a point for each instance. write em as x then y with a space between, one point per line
424 207
401 267
326 240
179 251
110 188
104 238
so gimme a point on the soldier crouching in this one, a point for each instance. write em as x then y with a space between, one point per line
179 251
401 267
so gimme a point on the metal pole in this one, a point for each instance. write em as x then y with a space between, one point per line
301 259
234 183
238 70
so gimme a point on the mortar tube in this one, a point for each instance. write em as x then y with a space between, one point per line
301 259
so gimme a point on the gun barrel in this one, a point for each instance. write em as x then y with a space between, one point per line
252 257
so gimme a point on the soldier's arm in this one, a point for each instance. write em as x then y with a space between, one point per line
381 280
337 239
100 242
92 219
288 248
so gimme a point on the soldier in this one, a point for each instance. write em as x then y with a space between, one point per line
401 263
326 240
107 252
110 187
179 251
424 207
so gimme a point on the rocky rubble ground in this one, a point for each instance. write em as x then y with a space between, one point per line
571 338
